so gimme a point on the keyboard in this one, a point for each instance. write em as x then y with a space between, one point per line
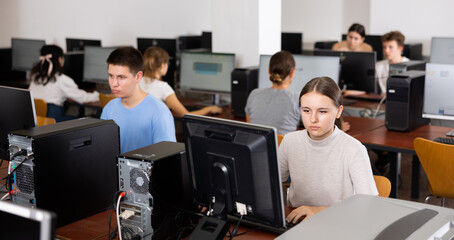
444 140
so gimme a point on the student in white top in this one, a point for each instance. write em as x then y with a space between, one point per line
393 46
325 164
156 62
355 40
50 84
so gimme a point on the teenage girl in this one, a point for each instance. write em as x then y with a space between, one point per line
325 164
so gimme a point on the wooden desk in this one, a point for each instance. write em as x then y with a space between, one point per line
400 142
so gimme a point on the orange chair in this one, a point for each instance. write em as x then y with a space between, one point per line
45 120
437 159
40 107
279 139
105 98
383 185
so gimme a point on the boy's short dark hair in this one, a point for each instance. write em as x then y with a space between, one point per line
394 36
127 56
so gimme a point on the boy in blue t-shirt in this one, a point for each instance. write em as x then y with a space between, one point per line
143 119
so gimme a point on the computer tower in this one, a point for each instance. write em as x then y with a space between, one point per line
404 101
157 185
244 80
406 66
68 168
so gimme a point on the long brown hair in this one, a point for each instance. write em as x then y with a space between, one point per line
327 87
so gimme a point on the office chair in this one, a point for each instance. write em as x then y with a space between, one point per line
383 185
40 107
45 120
279 139
437 160
105 98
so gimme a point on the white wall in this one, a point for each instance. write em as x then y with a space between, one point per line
115 22
118 22
418 20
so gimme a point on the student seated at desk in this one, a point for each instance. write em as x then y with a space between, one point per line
50 84
142 118
393 46
355 40
156 62
276 106
325 164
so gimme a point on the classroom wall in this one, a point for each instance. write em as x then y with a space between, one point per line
418 20
115 22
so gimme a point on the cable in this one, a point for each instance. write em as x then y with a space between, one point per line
378 107
235 230
122 194
6 195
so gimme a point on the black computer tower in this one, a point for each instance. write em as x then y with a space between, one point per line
406 66
244 80
157 185
404 101
68 168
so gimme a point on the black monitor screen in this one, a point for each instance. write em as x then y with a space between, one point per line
77 44
95 65
19 222
292 42
235 162
25 53
375 42
17 112
357 69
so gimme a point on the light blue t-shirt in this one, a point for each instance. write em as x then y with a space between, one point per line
147 123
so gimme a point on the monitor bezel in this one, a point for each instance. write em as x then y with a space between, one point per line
201 90
46 219
249 127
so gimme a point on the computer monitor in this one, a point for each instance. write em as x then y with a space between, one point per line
234 167
78 44
18 112
438 89
292 42
357 69
375 42
170 46
306 68
206 72
442 50
25 53
95 65
19 222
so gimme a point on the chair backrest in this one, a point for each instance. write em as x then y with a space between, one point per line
437 159
45 120
279 139
40 107
105 98
383 186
